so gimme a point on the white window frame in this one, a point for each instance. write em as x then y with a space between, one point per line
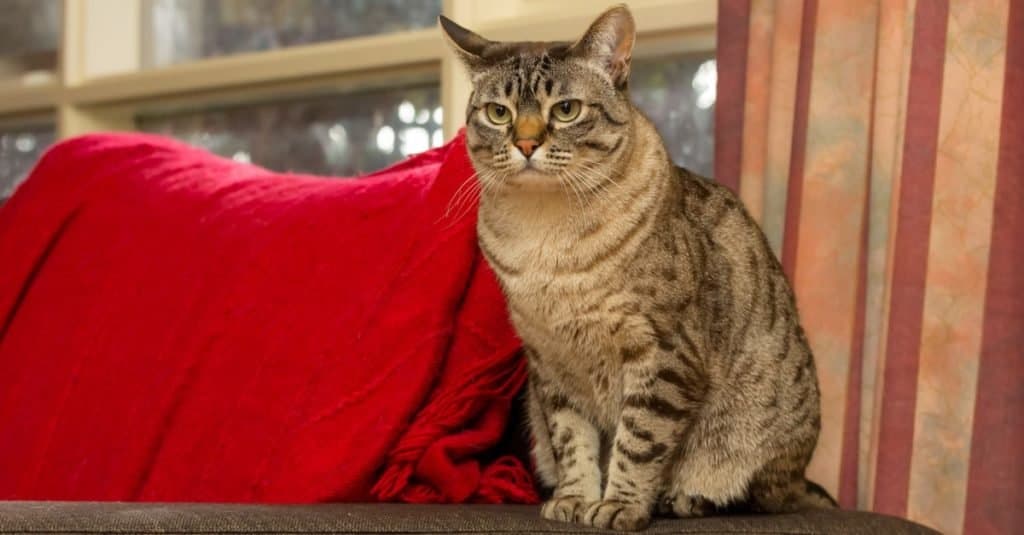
100 86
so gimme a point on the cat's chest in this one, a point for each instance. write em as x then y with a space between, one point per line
573 335
552 304
568 316
555 307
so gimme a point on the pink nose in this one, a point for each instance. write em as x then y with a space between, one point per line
527 146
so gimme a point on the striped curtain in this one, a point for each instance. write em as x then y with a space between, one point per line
880 143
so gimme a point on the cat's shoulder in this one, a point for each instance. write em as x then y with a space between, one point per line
714 203
703 187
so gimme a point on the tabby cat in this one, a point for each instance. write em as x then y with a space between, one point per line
668 369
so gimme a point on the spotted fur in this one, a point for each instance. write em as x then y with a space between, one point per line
668 368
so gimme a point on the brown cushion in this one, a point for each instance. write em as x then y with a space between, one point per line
89 517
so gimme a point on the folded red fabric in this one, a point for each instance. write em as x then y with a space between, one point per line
175 326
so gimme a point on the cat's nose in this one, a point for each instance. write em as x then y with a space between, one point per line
527 146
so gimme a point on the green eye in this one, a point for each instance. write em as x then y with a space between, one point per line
498 114
566 110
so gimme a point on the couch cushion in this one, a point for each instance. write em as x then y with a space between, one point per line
86 517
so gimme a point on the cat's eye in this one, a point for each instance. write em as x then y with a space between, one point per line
498 114
566 110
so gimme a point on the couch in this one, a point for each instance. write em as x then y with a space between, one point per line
144 283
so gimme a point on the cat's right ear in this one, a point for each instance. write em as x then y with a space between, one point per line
609 43
468 46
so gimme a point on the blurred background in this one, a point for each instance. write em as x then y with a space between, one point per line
330 87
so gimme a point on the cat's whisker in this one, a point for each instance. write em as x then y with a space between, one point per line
464 190
464 194
586 193
572 186
592 166
465 208
455 203
593 183
473 199
462 201
587 182
571 180
590 184
562 186
605 182
489 184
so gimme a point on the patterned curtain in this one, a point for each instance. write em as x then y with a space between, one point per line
880 143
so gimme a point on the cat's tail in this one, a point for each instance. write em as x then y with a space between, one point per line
816 496
798 495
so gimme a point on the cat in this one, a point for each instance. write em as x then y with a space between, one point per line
668 372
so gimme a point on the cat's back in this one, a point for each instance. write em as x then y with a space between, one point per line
705 203
741 281
715 215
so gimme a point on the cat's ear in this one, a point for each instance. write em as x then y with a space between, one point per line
468 46
609 43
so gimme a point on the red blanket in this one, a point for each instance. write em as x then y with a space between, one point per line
175 326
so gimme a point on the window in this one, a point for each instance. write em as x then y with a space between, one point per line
29 32
339 135
678 94
29 41
330 87
20 147
184 30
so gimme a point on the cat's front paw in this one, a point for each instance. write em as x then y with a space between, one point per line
620 516
564 509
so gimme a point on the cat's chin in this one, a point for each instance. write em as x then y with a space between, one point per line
534 180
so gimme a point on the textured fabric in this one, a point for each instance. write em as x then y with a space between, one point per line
181 327
191 518
879 148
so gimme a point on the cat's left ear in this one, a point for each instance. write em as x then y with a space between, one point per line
468 46
609 43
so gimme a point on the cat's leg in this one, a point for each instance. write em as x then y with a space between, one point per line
754 440
575 446
779 485
709 475
543 454
723 451
658 406
738 454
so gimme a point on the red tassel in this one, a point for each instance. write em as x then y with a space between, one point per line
506 481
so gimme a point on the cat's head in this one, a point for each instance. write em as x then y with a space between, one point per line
549 114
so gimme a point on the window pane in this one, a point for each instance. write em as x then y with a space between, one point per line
678 94
29 31
339 135
183 30
20 147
